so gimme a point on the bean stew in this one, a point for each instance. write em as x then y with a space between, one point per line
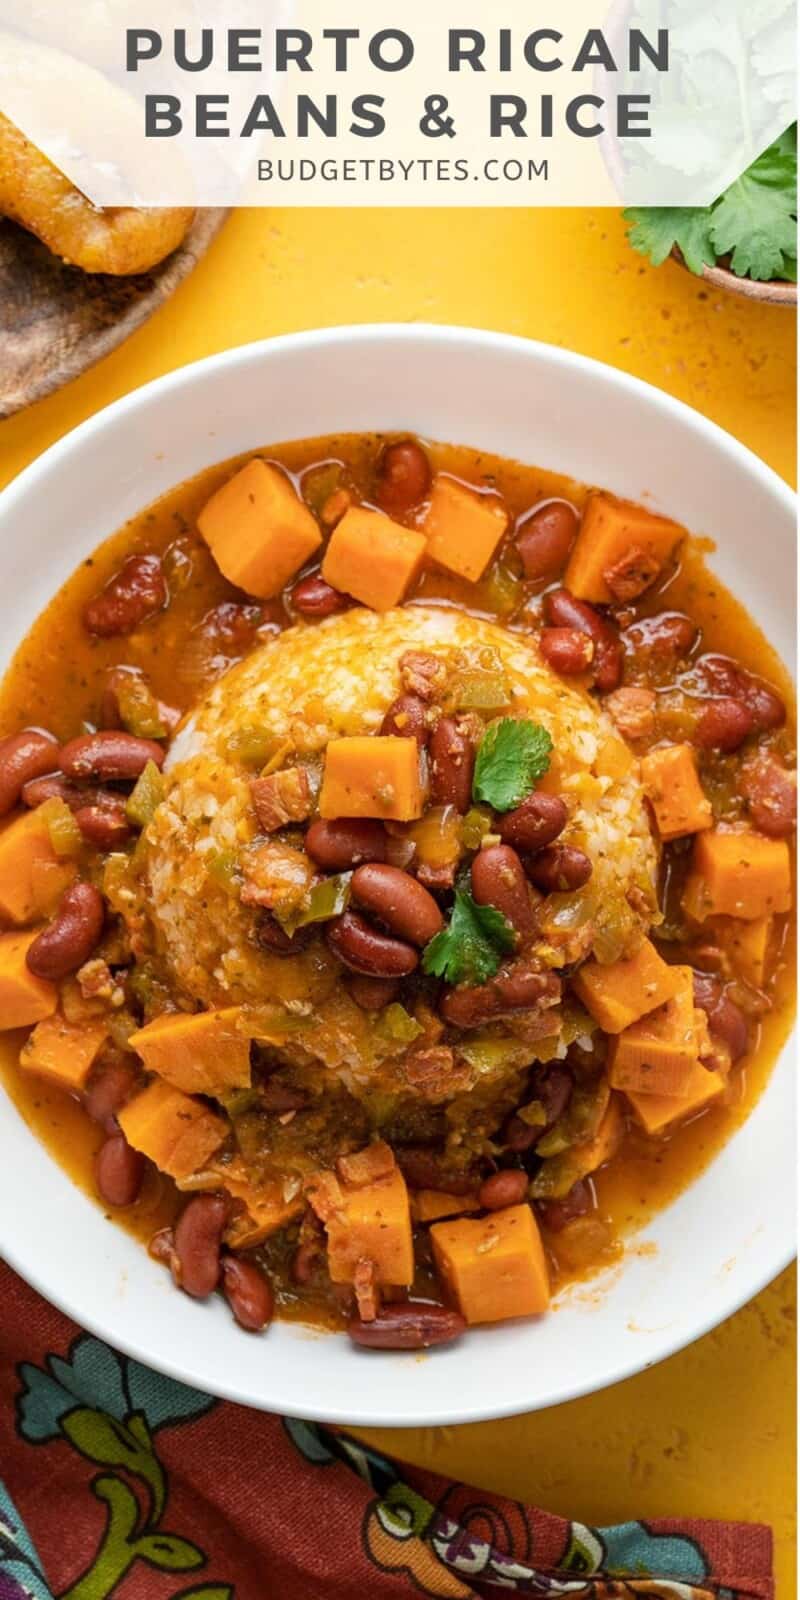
395 881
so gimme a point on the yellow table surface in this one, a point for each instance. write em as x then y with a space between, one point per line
710 1432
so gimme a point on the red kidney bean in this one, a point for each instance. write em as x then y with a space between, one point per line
506 1188
725 1019
110 756
99 813
339 846
498 879
564 610
24 757
544 540
409 1325
406 719
313 597
729 1023
106 827
118 1171
555 1214
552 1087
364 949
304 1262
669 635
271 936
231 627
536 823
452 758
567 650
372 994
398 901
724 725
523 989
608 664
518 1135
707 957
68 941
770 791
404 476
248 1294
110 1085
766 707
281 1097
427 1169
198 1242
57 787
559 869
724 677
136 592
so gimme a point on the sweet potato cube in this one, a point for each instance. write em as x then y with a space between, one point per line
265 1207
177 1133
201 1054
494 1267
429 1205
747 945
258 529
624 541
463 528
372 558
372 777
621 993
367 1166
738 874
63 1051
324 1194
266 1213
32 878
24 998
604 1144
656 1112
675 792
658 1054
373 1224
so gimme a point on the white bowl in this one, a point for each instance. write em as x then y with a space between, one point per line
732 1230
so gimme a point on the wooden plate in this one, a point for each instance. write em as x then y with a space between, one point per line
55 321
772 294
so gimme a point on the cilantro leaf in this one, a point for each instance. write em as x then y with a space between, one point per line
754 222
657 229
513 754
470 948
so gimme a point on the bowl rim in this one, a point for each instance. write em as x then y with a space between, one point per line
364 332
188 1368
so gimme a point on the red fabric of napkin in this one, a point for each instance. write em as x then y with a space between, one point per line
119 1482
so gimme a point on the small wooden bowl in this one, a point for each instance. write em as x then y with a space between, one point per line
778 293
55 321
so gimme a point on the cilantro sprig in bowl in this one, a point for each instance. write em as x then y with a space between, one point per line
746 242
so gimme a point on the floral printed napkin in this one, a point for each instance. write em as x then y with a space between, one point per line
119 1482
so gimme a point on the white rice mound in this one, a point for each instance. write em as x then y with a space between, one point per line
321 681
